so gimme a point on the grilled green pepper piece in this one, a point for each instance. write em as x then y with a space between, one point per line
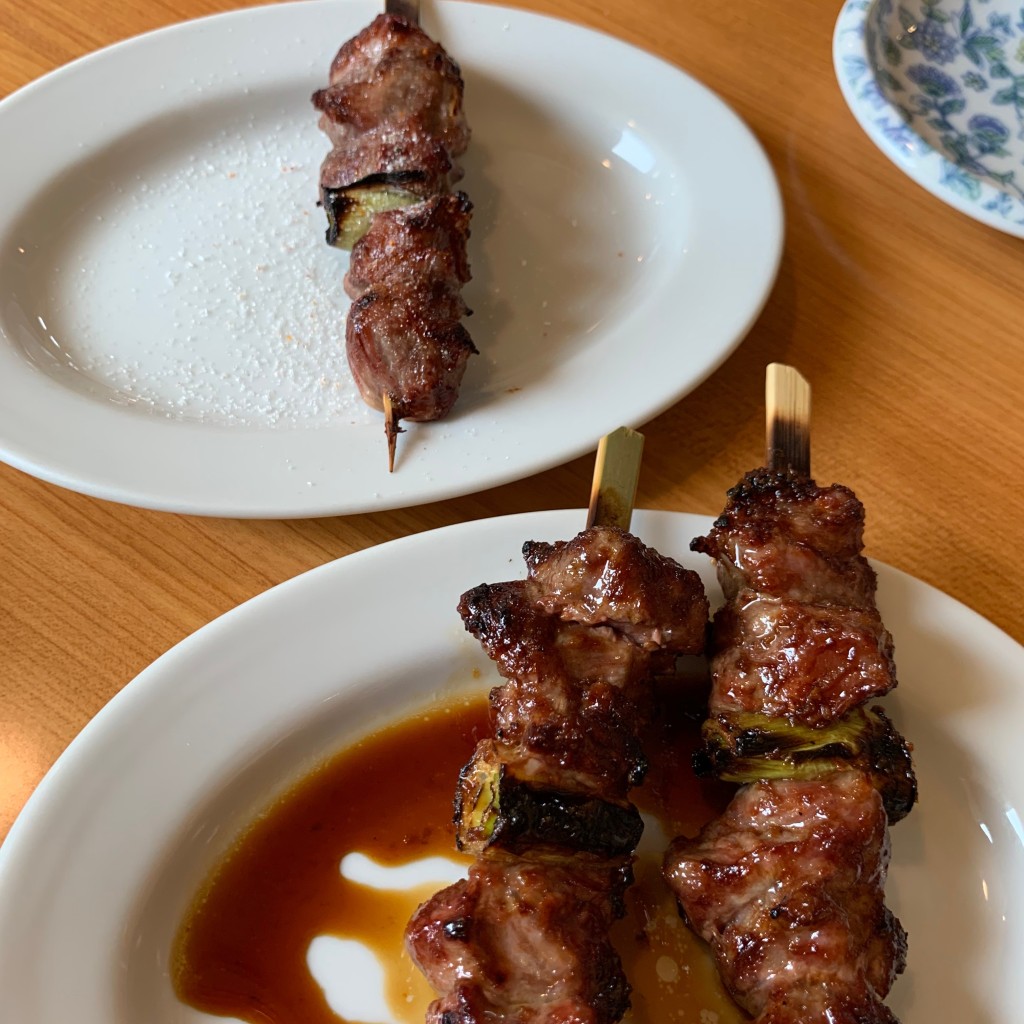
350 209
747 746
495 808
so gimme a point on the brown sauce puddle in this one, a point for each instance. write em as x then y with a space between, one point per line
241 950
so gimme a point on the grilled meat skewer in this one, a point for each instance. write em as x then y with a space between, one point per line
787 885
543 803
393 113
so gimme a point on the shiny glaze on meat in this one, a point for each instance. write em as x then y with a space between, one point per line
578 641
800 636
597 579
784 536
786 887
527 939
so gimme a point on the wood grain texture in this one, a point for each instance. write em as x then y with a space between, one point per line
901 312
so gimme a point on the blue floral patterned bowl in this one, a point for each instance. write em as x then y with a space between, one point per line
938 85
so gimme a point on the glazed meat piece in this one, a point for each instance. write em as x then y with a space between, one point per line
783 536
525 941
800 636
396 94
807 663
607 577
526 642
578 642
786 887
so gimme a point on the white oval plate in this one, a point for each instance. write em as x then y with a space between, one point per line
102 863
172 323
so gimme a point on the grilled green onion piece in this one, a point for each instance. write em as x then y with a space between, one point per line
749 746
350 209
494 808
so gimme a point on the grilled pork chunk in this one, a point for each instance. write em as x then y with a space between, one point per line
800 636
786 887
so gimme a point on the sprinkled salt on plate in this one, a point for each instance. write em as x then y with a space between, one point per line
263 347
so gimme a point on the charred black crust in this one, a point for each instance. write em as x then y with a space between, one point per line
530 816
533 816
761 488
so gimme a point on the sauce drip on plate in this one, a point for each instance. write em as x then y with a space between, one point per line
242 949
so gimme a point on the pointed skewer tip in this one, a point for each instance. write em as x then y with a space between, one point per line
391 429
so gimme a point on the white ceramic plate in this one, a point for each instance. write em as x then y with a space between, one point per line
172 325
99 868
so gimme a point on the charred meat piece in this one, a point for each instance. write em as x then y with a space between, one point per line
606 577
578 642
525 941
781 535
786 887
527 642
799 636
393 112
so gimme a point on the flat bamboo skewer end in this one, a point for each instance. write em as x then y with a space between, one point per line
787 401
616 472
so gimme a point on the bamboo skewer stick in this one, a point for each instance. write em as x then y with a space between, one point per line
787 401
616 472
410 10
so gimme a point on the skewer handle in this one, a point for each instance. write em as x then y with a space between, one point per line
616 472
787 402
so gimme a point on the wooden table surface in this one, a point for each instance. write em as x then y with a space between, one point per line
902 313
